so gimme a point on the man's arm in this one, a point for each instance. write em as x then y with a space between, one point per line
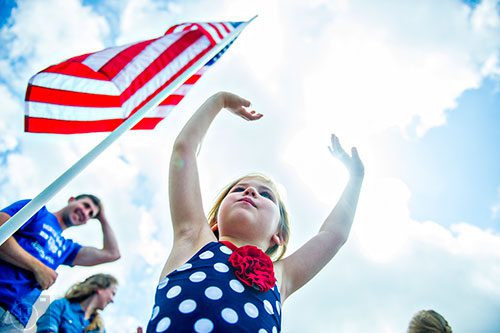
14 254
90 256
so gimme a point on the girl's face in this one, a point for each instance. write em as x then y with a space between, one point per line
250 213
105 296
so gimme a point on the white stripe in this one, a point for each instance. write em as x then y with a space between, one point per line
135 67
202 70
99 59
161 111
63 112
166 73
212 32
183 90
181 27
73 83
221 28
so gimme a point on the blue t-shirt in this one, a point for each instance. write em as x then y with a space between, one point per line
41 237
204 295
62 316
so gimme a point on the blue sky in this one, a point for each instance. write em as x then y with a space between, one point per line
459 162
414 85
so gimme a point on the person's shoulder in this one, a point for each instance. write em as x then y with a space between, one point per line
60 302
58 306
16 205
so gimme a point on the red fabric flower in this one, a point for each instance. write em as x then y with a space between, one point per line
253 267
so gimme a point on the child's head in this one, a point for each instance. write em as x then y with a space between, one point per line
275 251
428 321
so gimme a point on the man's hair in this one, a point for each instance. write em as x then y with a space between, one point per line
92 197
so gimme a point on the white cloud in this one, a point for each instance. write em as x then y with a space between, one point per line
311 68
393 266
37 37
378 70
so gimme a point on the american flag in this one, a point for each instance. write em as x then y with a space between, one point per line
97 92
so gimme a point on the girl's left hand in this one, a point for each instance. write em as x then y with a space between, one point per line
352 163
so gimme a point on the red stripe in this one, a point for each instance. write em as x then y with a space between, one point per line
182 70
206 33
122 59
172 100
193 79
77 69
42 125
169 55
225 27
172 28
71 98
147 124
216 29
80 58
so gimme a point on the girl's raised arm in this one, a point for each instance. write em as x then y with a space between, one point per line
191 230
300 267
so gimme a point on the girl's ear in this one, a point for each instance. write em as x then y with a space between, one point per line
276 240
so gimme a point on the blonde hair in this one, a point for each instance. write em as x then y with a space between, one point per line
276 252
83 290
428 321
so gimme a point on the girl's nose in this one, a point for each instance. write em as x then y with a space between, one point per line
250 191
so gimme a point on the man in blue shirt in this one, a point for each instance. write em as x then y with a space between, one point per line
29 258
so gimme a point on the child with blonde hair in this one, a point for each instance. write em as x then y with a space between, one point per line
219 276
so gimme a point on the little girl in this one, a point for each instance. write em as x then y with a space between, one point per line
219 276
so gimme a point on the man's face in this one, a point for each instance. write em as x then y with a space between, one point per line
78 212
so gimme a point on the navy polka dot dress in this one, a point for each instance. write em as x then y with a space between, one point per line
204 295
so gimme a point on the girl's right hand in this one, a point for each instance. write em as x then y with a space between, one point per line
238 105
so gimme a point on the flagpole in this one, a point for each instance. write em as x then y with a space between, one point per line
23 215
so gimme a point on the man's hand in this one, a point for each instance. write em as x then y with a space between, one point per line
101 216
45 276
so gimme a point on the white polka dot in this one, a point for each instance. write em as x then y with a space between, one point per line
268 307
203 326
163 283
163 325
206 255
236 286
184 267
229 315
220 267
213 293
156 310
174 291
278 307
197 277
251 310
262 331
225 249
275 330
187 306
